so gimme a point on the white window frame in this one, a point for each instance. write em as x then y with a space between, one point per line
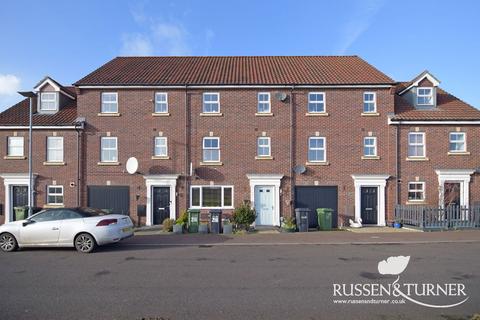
109 102
212 186
268 102
422 191
464 141
163 94
424 144
374 146
160 146
425 96
49 148
324 150
43 100
211 148
102 149
55 195
370 101
269 146
211 102
9 146
317 102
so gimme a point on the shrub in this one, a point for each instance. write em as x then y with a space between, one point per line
244 216
183 219
288 223
168 225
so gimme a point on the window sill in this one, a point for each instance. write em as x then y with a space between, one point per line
417 159
466 153
320 163
113 114
108 163
47 206
212 114
370 157
370 114
160 158
263 114
219 163
46 163
415 202
161 114
14 157
263 158
317 114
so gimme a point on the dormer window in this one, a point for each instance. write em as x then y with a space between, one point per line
424 96
48 101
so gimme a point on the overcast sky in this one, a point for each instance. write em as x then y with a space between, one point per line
68 39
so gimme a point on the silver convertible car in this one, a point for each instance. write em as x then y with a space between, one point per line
82 228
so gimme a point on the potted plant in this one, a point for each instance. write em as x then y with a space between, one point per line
288 224
398 223
227 226
203 227
243 216
168 225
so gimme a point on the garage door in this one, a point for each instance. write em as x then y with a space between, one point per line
113 198
314 197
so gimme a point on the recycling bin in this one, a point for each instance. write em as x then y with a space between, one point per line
193 220
324 218
301 219
20 213
215 220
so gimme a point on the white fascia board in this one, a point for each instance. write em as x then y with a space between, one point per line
366 86
41 127
55 86
419 78
436 122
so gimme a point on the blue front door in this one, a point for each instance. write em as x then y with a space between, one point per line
264 206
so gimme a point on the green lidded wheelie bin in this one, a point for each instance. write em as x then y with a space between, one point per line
324 218
20 213
193 220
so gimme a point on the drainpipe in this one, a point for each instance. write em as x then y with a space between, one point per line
78 165
187 163
292 154
397 171
30 166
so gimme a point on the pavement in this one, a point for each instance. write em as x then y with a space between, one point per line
253 276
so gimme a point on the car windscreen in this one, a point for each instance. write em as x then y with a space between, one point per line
90 212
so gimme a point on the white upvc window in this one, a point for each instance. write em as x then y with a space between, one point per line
211 102
219 197
316 102
317 149
48 101
370 146
15 147
263 147
109 102
263 102
457 142
369 102
54 149
424 96
161 147
416 191
109 149
161 102
211 149
55 195
416 144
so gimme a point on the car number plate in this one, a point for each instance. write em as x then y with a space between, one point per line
127 229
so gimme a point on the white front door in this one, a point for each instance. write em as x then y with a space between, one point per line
264 205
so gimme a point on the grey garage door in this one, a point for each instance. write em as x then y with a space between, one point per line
314 197
114 198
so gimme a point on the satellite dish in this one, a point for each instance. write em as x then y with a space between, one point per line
299 169
132 165
281 96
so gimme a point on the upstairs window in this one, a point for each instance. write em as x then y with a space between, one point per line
161 102
54 149
316 149
15 147
109 102
211 149
263 147
316 102
457 142
416 144
370 146
263 102
369 102
48 101
211 103
424 96
109 149
416 191
161 147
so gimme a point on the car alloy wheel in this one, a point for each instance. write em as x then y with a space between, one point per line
8 242
84 243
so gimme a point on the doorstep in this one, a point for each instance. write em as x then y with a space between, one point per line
375 229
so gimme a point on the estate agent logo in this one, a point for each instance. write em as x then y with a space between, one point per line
378 293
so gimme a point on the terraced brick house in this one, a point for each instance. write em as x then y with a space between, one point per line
278 132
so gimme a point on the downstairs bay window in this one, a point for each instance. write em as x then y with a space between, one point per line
211 197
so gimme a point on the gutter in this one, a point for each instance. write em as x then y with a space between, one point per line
40 127
366 86
437 122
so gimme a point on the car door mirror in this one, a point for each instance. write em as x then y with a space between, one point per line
26 223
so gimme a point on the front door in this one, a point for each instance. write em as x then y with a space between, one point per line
264 205
369 205
451 194
161 204
19 198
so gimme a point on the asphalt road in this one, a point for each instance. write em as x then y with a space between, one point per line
132 280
